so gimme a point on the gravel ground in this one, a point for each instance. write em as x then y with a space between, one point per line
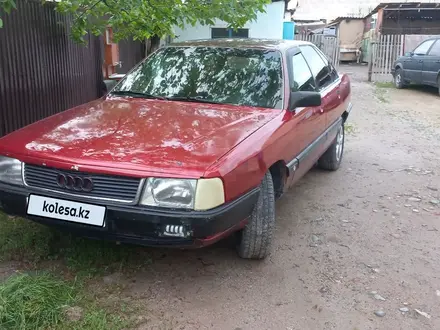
348 245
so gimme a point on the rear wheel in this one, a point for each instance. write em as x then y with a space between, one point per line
256 238
399 82
332 158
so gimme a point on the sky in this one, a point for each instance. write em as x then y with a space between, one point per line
329 9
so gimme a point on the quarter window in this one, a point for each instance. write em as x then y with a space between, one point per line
321 69
423 48
302 79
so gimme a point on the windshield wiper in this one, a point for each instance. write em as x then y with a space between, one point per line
138 95
191 99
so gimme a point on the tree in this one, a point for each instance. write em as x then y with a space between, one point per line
144 19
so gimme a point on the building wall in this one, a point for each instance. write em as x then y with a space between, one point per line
351 33
267 25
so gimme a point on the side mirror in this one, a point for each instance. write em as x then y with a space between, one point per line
304 99
409 54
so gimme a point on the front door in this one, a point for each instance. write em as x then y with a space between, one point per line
413 69
431 65
413 66
305 125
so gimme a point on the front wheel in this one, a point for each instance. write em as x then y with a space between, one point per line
399 82
332 158
256 238
438 84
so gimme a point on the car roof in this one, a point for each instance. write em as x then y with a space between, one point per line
274 44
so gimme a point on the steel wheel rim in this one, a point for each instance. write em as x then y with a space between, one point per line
398 79
339 143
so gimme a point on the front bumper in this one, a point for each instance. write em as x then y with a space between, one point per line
141 225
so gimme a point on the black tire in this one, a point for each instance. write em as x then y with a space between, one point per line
332 158
256 238
438 83
399 82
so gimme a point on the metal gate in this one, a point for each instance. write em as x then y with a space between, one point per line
385 50
328 44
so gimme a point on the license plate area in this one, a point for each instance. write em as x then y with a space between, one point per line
60 209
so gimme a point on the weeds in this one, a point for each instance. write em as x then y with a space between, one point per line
25 241
21 239
349 128
40 301
384 84
380 94
33 301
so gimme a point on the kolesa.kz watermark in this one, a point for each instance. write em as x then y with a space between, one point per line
64 210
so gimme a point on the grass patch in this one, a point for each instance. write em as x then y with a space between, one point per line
33 301
96 319
31 243
384 84
381 94
349 128
40 301
23 240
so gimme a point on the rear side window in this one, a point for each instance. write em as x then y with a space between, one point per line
435 50
302 78
321 69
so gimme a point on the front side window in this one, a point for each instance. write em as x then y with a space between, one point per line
435 50
320 68
301 78
423 48
251 77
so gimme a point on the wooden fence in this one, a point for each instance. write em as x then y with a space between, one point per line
384 51
42 71
328 44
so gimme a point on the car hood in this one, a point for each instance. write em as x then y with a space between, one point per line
178 138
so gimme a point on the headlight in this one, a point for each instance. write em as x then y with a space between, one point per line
10 171
203 194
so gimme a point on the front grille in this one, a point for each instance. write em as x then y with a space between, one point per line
104 186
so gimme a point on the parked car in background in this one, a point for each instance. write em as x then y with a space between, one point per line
194 144
422 66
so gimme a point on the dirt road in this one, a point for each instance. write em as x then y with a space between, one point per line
373 226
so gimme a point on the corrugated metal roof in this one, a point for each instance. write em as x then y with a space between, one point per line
406 5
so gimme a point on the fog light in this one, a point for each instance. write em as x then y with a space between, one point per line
175 231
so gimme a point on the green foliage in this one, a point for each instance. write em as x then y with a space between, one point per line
33 301
384 85
40 300
30 243
143 19
22 240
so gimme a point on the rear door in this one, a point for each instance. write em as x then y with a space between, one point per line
413 66
431 65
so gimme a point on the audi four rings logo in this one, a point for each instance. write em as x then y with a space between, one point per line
76 183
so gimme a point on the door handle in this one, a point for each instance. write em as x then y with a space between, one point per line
420 61
338 92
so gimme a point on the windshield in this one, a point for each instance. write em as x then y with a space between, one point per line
251 77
